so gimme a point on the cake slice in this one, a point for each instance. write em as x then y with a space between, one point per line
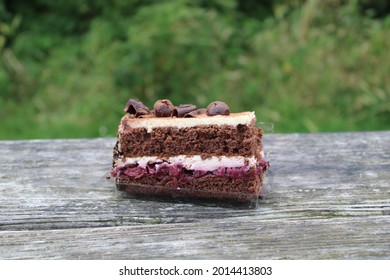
182 151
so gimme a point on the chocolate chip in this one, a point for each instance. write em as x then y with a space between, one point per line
218 108
181 110
195 113
136 107
163 108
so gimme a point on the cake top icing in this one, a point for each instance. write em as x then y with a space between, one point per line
165 114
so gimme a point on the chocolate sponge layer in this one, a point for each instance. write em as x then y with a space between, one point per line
201 140
237 189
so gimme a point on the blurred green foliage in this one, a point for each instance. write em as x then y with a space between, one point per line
67 68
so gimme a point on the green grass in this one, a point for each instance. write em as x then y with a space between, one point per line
316 69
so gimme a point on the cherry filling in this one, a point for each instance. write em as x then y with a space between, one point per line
178 170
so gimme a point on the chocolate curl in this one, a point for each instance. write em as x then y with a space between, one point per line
195 113
181 110
163 108
136 107
217 108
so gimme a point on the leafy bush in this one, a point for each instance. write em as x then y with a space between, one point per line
307 66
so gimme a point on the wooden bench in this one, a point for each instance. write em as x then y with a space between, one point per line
329 198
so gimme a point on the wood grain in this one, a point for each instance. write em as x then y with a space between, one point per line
329 198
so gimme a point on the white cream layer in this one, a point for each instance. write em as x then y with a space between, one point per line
193 162
233 119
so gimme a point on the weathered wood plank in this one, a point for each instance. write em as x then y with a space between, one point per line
334 185
236 238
